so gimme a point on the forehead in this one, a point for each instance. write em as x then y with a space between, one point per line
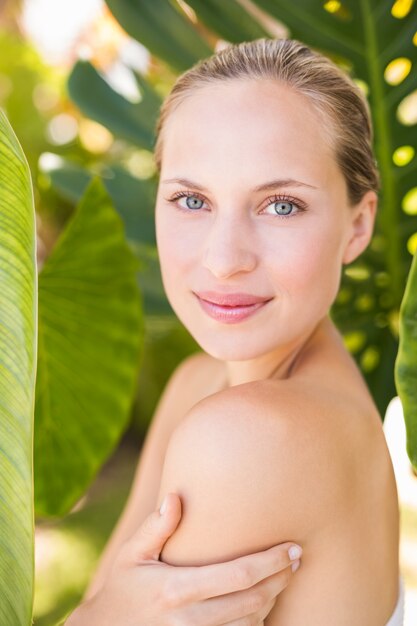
250 126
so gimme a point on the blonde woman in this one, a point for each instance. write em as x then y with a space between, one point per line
268 188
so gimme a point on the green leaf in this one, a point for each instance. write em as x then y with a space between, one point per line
98 100
229 20
406 361
155 302
339 33
133 198
90 346
18 321
163 29
67 177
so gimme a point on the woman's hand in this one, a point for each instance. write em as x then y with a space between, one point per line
140 590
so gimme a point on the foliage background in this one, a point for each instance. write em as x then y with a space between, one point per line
69 133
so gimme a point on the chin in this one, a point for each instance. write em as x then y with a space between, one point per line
225 345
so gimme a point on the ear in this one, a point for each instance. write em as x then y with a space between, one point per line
361 226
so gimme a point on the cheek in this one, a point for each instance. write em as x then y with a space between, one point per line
308 261
177 233
176 248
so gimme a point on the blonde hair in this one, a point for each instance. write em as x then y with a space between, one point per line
340 103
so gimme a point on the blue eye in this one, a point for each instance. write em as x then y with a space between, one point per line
283 208
278 206
192 202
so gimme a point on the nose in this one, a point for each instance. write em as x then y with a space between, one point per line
229 248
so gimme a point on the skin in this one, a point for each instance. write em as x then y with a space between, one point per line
234 240
228 138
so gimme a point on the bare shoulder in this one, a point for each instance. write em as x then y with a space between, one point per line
292 416
251 471
290 460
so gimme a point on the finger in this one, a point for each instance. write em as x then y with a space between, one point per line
217 579
254 603
148 540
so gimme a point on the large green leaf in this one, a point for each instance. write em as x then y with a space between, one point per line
406 362
133 198
162 27
18 321
133 121
90 340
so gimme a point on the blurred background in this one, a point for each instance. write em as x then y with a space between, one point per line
56 61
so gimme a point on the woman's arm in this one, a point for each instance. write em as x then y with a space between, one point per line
144 490
250 475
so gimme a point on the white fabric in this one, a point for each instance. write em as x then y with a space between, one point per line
397 618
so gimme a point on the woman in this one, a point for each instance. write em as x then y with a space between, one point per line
268 187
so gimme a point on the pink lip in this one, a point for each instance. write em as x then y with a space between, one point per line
231 299
230 314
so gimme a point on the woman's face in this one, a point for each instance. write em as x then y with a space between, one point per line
228 237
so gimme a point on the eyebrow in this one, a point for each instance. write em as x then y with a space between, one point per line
272 184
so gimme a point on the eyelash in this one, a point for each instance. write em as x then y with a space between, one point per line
276 198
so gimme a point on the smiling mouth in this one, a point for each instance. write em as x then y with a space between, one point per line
230 313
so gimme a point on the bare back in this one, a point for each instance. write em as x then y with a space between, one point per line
357 549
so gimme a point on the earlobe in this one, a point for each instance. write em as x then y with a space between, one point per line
361 227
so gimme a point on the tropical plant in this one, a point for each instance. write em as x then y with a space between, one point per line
18 352
70 345
376 43
90 337
57 416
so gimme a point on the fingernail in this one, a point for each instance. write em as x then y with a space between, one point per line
295 552
163 507
295 565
